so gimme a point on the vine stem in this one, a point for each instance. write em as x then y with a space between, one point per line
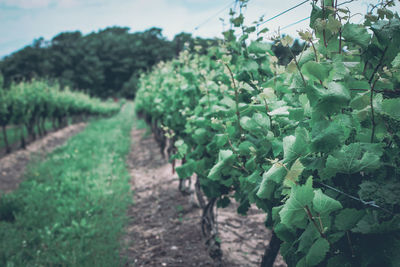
315 50
372 110
236 99
271 251
323 15
379 64
237 155
298 67
340 40
350 244
372 91
310 216
266 106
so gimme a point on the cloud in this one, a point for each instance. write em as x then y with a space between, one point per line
26 4
38 4
68 3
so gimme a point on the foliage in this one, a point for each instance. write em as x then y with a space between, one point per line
30 105
314 144
71 209
104 63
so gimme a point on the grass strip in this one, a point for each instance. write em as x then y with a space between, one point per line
71 209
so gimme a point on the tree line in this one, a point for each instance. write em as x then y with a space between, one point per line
107 63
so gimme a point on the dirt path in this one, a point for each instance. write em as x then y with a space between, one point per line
164 227
13 166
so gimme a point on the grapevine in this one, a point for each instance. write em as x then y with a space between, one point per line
314 144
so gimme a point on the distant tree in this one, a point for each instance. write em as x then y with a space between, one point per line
104 63
28 63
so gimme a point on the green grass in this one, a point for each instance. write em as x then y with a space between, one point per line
142 125
71 209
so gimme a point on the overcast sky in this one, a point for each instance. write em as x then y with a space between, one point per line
22 21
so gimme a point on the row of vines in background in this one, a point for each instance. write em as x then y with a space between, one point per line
314 144
30 105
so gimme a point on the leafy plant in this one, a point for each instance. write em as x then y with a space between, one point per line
314 144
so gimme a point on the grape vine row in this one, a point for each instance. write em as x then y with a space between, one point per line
314 144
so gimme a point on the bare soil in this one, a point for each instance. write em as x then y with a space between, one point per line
164 227
12 166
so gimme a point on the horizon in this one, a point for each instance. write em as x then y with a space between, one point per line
25 21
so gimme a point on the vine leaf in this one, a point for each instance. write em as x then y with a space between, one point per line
274 174
308 237
293 174
348 218
293 213
186 170
259 48
396 61
326 135
324 204
390 107
315 70
353 158
317 252
328 101
295 146
356 34
200 136
224 158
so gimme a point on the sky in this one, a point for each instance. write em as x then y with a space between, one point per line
22 21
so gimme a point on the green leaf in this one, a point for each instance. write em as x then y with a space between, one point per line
330 100
315 70
391 107
200 136
238 20
361 101
293 213
306 56
316 14
246 147
317 252
274 174
220 140
357 34
186 170
370 224
262 120
308 237
295 146
326 136
182 148
396 61
284 233
348 218
302 262
259 48
354 158
248 123
333 24
250 65
324 204
293 174
225 158
296 114
338 260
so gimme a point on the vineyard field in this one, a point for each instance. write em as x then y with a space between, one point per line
255 148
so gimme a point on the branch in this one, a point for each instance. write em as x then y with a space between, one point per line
372 110
236 99
379 64
310 216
